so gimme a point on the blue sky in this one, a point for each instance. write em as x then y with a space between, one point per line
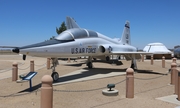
24 22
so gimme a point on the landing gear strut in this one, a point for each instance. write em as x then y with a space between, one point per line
89 63
54 74
107 58
133 64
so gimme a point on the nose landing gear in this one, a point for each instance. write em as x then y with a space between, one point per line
54 74
133 64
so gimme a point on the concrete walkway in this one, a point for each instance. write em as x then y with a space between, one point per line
170 99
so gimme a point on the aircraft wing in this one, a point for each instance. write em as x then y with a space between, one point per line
119 53
131 55
7 50
8 47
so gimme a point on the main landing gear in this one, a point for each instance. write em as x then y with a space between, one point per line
90 65
54 75
89 62
133 64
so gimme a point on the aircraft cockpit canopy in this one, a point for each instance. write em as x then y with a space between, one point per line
76 33
64 36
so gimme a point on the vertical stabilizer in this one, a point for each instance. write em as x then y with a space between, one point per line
70 23
126 39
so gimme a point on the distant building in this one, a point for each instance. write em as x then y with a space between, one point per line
159 50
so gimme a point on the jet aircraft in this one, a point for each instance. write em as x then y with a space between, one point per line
77 42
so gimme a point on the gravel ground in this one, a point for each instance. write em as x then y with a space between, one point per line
150 83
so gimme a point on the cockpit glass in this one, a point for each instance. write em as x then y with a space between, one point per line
76 33
64 36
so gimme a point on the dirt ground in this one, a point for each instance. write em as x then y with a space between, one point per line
150 83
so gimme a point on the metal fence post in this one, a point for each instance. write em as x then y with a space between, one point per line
142 58
32 66
174 60
48 63
173 68
163 62
129 83
46 92
178 85
152 62
14 71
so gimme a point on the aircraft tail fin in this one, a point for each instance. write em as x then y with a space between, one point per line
126 39
70 23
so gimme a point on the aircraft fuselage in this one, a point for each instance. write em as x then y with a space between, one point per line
95 45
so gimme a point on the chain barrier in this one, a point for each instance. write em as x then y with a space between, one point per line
5 70
56 90
29 67
153 77
78 90
14 95
19 94
8 69
86 90
40 65
23 68
120 82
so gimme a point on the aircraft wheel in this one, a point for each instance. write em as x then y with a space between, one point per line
94 59
55 76
107 58
89 65
132 65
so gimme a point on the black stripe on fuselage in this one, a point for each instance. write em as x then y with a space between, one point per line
46 43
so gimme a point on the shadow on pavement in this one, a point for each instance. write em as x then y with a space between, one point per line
87 73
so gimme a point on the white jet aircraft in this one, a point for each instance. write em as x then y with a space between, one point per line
77 42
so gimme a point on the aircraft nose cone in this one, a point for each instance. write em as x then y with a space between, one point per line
15 50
